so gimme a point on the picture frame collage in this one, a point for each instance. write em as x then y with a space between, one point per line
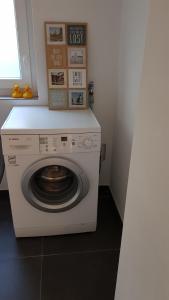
66 58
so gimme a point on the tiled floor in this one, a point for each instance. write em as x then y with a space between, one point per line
72 267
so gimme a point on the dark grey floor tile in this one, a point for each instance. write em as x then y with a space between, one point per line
4 194
20 279
9 245
104 192
85 276
5 209
107 235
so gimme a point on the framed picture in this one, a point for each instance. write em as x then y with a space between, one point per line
56 34
77 34
77 78
66 61
77 99
58 99
56 56
57 78
77 57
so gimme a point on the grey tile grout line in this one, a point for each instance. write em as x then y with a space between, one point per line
41 269
82 252
42 243
2 259
58 254
41 274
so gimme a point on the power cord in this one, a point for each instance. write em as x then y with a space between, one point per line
2 164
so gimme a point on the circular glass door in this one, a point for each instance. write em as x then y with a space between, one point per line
54 184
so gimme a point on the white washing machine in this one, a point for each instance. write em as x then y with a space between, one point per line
52 166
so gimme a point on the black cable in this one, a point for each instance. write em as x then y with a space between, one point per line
2 164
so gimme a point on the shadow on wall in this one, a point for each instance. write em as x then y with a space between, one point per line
122 145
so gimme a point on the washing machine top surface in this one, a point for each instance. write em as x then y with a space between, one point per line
41 120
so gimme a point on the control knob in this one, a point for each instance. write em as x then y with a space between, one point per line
88 142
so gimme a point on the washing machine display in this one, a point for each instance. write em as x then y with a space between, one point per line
69 143
54 184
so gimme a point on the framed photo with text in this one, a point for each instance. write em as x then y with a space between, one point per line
77 34
57 78
77 78
56 56
76 57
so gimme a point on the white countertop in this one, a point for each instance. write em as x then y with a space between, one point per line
41 120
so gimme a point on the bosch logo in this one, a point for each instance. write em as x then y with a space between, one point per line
13 139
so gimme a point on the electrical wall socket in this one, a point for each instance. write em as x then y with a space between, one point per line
103 152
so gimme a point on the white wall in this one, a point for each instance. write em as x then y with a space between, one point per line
144 260
131 52
103 20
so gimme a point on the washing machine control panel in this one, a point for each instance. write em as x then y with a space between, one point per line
67 143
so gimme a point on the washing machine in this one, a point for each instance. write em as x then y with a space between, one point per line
52 167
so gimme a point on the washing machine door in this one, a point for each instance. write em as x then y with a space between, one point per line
54 184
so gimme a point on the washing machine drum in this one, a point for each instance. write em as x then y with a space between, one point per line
54 184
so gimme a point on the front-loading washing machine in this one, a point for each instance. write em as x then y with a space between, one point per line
52 167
